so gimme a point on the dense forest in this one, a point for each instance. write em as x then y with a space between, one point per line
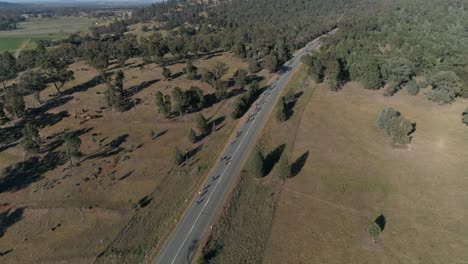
400 45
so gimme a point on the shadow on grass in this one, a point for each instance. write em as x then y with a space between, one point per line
110 149
95 81
9 136
22 174
273 157
9 218
291 103
297 165
191 153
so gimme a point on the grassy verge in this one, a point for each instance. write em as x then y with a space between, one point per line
244 227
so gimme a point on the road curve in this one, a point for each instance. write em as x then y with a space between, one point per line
195 223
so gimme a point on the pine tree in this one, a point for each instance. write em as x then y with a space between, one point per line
202 123
281 110
31 140
14 102
72 144
192 136
178 156
283 167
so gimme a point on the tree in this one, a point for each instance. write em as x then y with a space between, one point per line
33 82
239 108
8 69
14 102
271 63
254 66
240 77
366 71
163 103
202 123
96 54
196 97
315 66
334 74
115 93
395 125
446 85
412 87
178 156
219 69
31 139
465 116
281 110
166 73
256 164
72 146
398 70
181 100
283 167
190 70
55 66
192 136
3 117
374 230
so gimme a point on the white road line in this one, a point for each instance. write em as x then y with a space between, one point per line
209 197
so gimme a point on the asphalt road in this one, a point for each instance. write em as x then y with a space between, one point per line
195 223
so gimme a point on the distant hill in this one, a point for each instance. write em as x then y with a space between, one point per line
6 4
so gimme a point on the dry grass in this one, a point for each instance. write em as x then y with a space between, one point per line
98 209
244 228
354 174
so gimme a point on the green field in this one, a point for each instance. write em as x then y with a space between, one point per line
35 29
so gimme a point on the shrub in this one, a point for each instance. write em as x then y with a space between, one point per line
178 156
399 128
446 85
412 87
256 165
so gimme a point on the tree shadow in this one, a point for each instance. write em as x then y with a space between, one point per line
291 104
297 166
176 75
160 134
51 104
272 158
191 250
191 153
126 175
234 92
211 251
22 174
110 149
381 222
145 201
140 87
58 141
9 218
254 77
95 81
9 136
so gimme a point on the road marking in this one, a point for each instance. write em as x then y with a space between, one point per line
209 197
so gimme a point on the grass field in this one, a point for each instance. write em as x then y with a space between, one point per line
354 174
35 29
125 195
